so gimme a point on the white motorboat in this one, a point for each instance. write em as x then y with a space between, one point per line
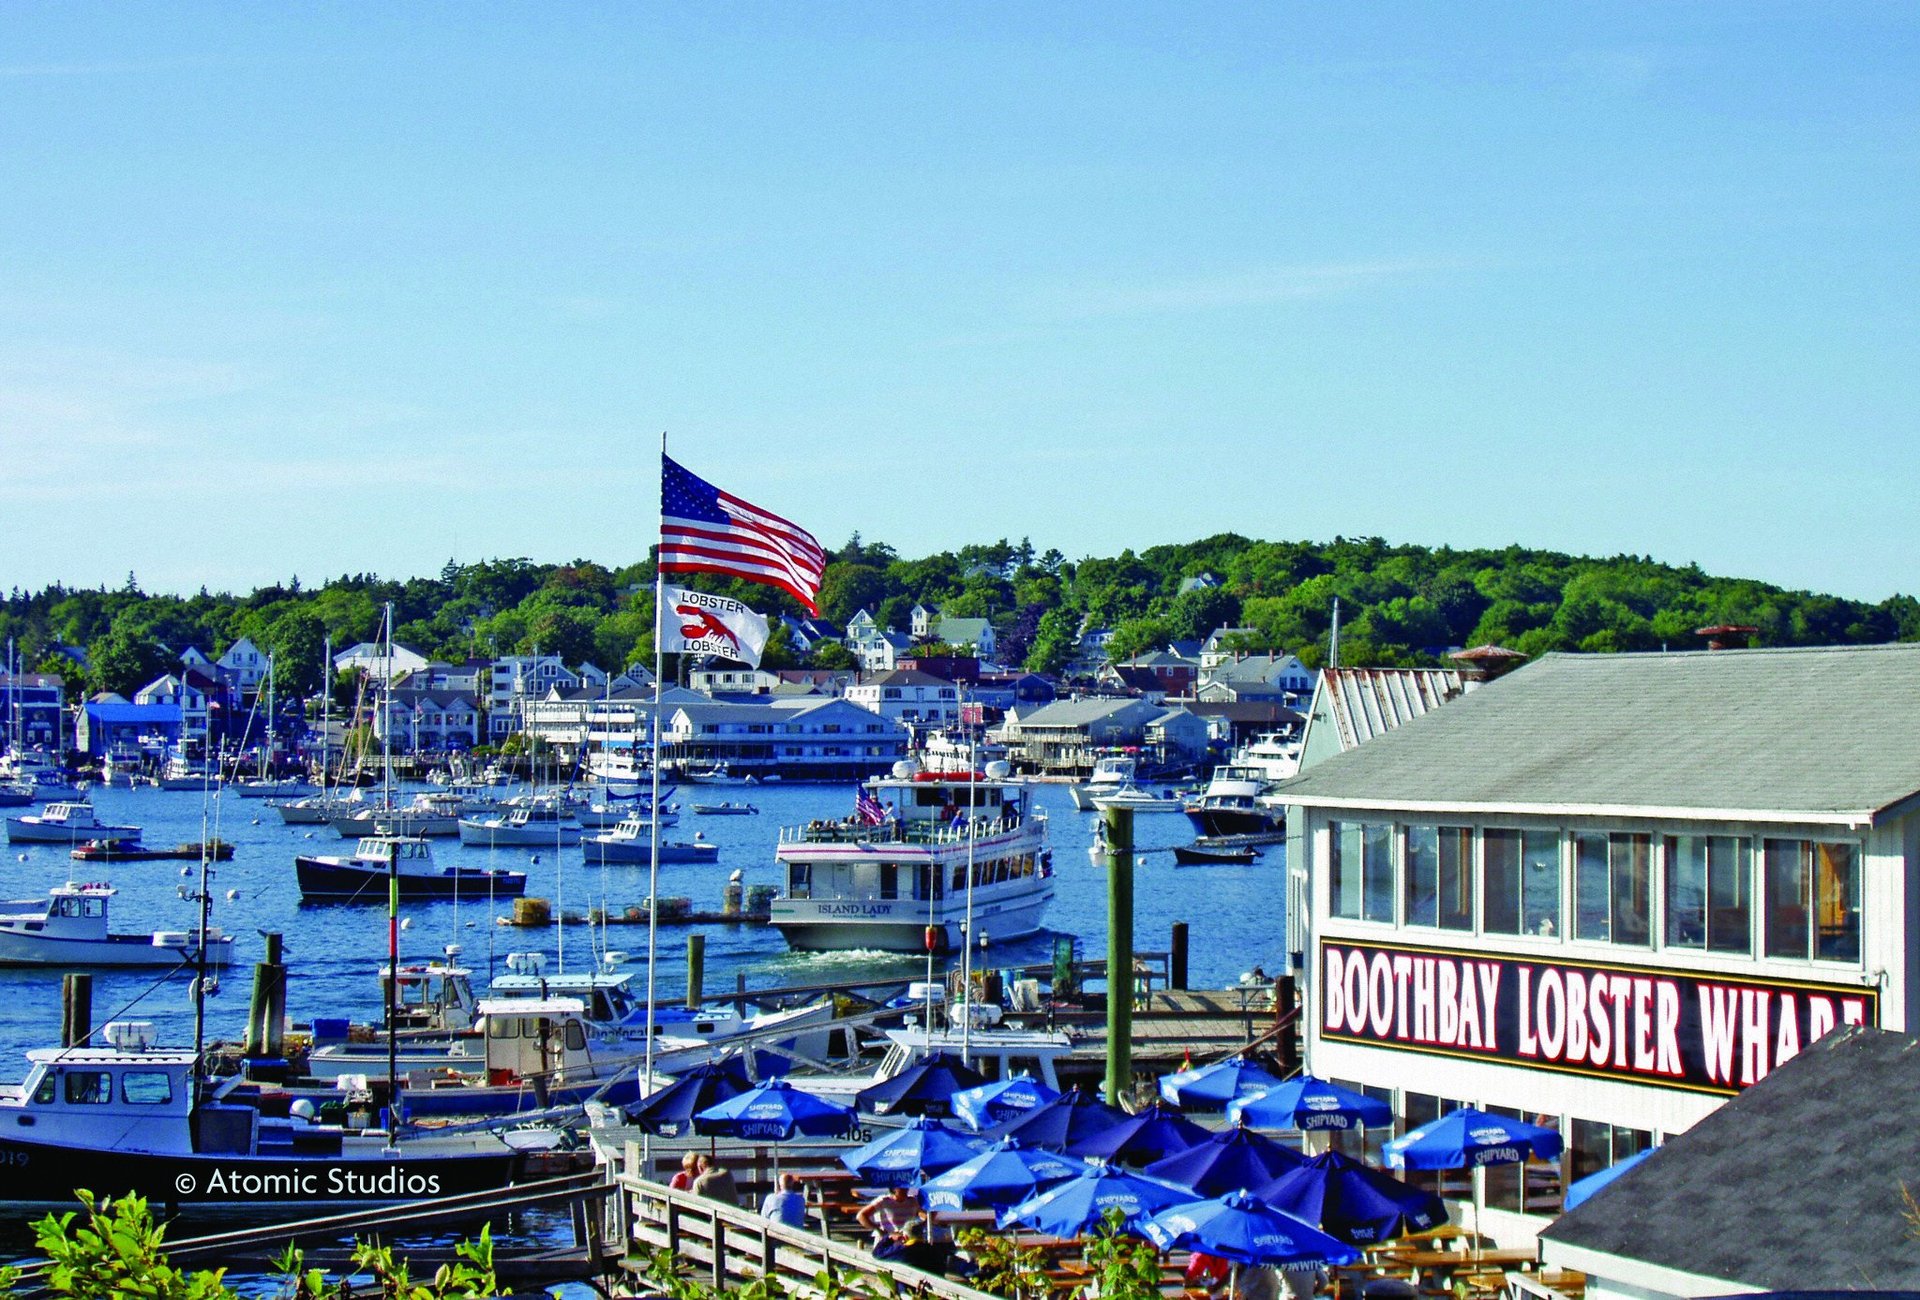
727 808
902 883
1275 755
631 840
542 824
69 928
1235 803
1140 801
274 788
65 823
1111 773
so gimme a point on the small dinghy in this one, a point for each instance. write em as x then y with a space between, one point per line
1193 855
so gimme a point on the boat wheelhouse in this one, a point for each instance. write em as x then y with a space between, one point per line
1235 803
900 884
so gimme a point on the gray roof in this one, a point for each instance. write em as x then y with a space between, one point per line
1799 1179
1795 735
1256 668
1078 713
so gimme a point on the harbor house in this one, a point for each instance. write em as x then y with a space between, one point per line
1608 892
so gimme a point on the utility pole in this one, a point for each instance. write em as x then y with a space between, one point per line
1119 828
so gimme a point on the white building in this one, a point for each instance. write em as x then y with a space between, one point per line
798 738
371 658
191 698
243 666
909 696
1608 892
737 679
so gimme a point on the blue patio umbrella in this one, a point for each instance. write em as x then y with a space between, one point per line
1348 1200
1579 1193
1142 1138
1069 1118
1238 1228
924 1088
903 1156
1227 1161
1005 1173
1211 1087
1306 1103
669 1111
1081 1204
775 1111
994 1103
1467 1138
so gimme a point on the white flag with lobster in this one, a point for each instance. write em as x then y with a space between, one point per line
695 623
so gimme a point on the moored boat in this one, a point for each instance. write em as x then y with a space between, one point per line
69 928
901 883
363 877
632 841
540 824
1140 801
65 823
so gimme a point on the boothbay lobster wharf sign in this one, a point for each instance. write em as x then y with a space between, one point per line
1677 1029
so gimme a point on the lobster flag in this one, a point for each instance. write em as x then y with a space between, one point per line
698 624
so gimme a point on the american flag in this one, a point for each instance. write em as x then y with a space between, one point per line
869 810
705 530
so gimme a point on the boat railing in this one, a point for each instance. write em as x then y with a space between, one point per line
896 832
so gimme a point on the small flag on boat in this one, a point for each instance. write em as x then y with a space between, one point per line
698 624
868 809
705 530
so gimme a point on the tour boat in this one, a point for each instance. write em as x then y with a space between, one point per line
901 884
363 877
69 928
65 823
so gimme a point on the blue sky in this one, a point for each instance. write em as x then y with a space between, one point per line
305 289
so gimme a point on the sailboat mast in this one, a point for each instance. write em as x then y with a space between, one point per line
393 895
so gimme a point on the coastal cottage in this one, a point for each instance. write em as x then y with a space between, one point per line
1609 892
516 679
913 698
243 667
1063 738
372 659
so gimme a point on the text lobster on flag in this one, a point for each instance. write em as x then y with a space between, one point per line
705 530
699 624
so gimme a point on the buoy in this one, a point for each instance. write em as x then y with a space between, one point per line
256 821
232 894
406 923
469 925
186 871
23 857
536 859
933 938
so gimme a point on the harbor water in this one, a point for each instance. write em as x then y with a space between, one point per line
336 951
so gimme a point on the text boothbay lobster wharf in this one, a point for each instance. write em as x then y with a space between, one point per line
1680 1029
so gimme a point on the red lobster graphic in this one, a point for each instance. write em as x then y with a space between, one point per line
704 625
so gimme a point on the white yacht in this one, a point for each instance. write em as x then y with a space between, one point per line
901 883
1275 755
69 928
1111 773
1235 803
65 823
1140 801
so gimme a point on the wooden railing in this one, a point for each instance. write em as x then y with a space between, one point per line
729 1246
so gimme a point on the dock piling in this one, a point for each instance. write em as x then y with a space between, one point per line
696 969
1119 828
1177 958
76 1009
267 1011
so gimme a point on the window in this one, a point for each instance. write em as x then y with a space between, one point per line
1439 881
146 1087
1709 893
1521 873
575 1036
1593 1146
1361 870
1612 888
89 1087
1531 1187
1812 900
1419 1108
1365 1145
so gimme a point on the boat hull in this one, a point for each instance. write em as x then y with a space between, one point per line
18 950
1213 822
641 851
900 925
334 882
518 837
46 1174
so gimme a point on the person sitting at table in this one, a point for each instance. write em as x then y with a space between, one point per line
714 1181
1208 1273
889 1215
915 1251
785 1204
689 1166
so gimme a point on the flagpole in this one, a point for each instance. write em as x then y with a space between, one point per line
653 856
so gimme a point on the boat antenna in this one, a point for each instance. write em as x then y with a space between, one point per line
326 716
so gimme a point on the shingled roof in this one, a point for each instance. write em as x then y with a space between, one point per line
1796 1182
1820 735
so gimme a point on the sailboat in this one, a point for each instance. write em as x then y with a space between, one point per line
266 785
